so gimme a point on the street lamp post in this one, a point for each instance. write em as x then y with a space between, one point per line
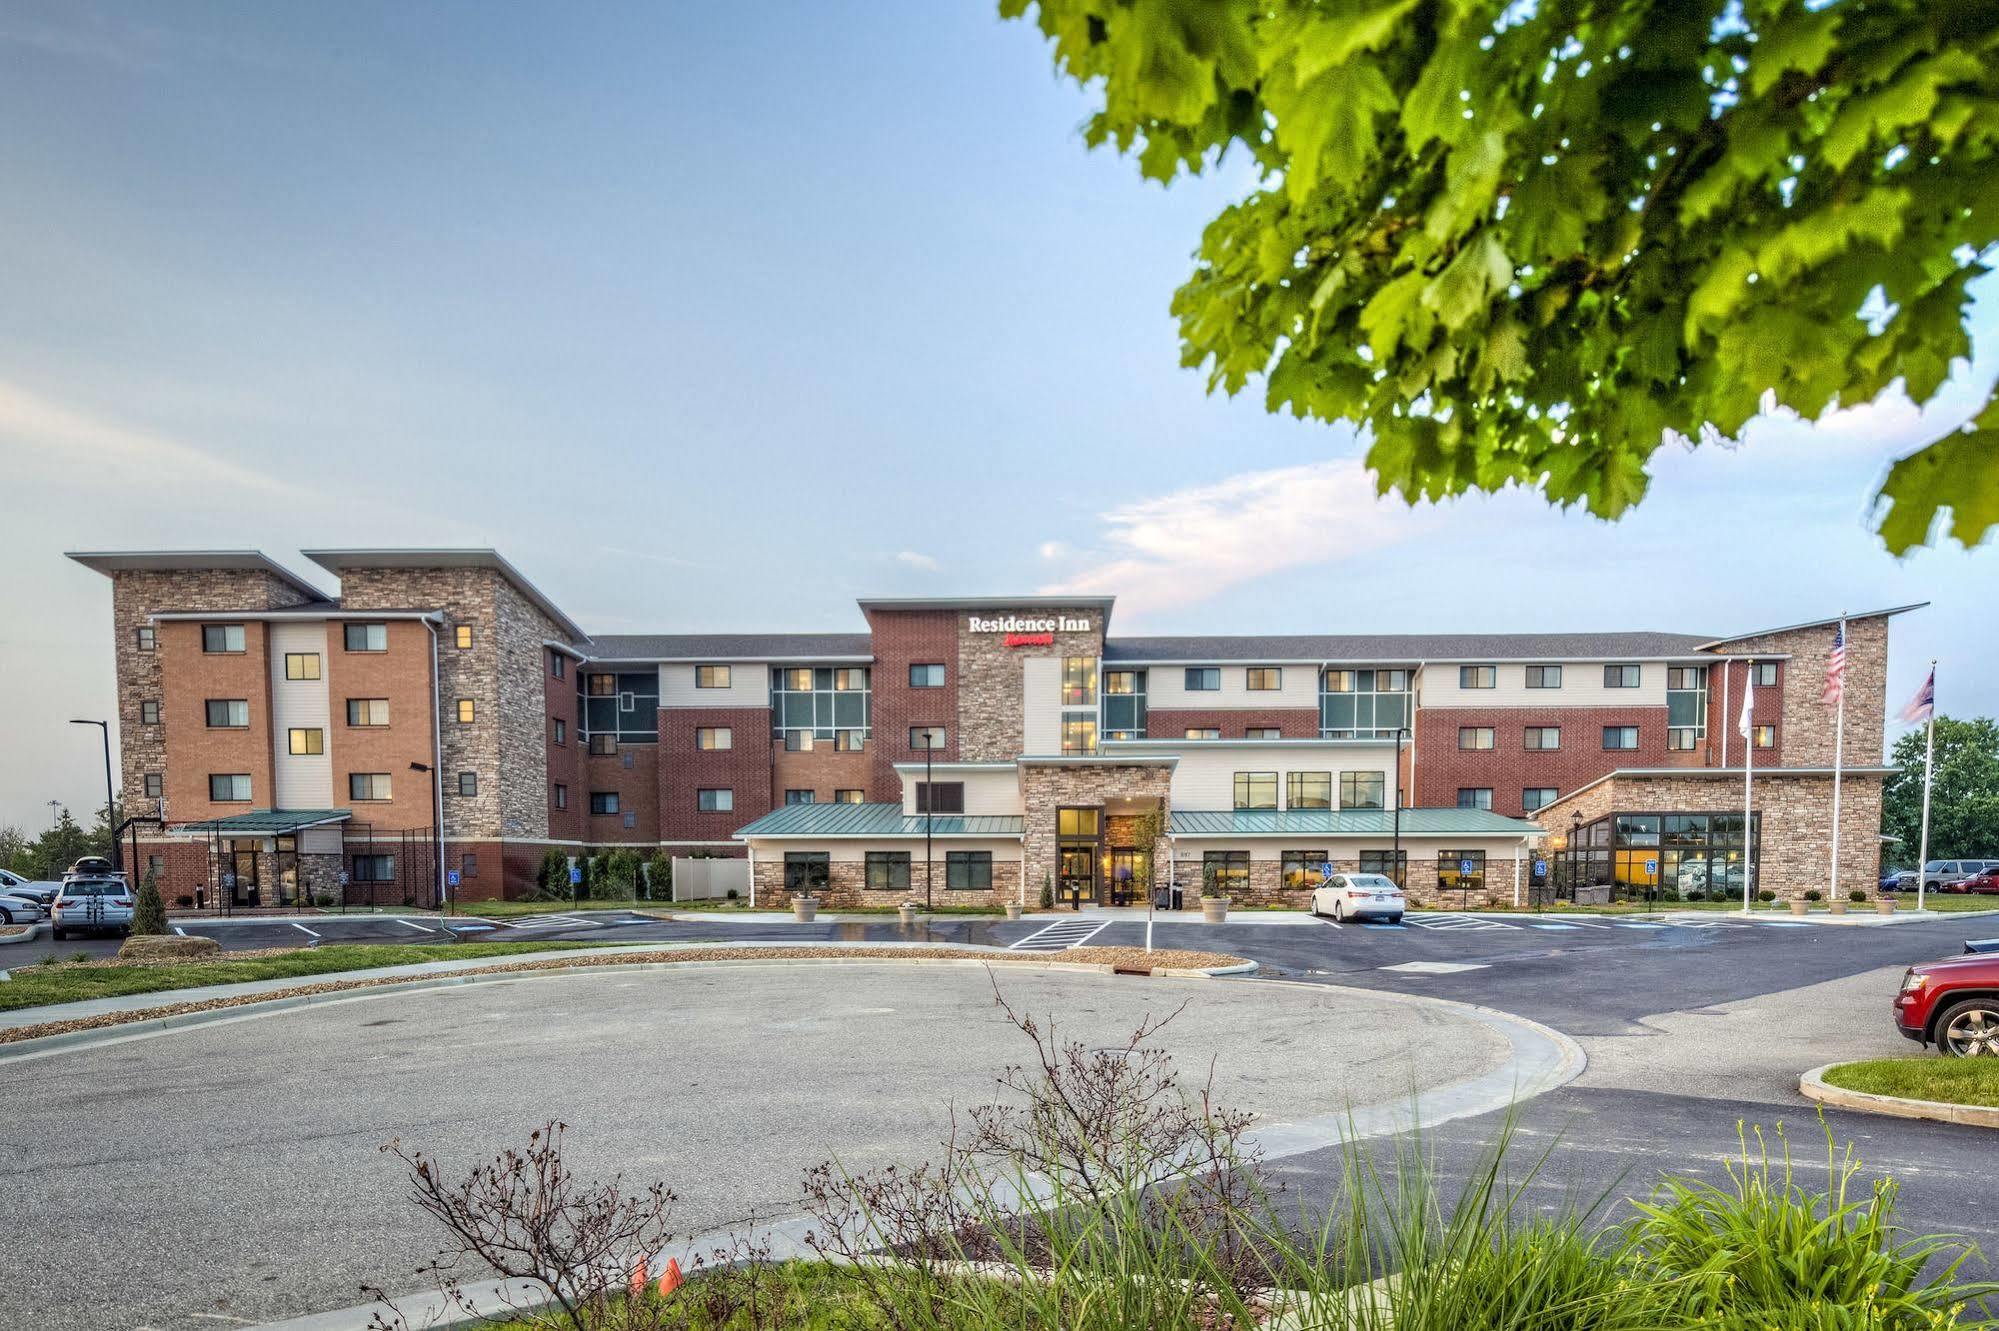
110 815
437 833
1575 841
929 813
1395 779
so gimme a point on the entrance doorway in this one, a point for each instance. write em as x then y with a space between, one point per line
1131 876
1076 876
244 890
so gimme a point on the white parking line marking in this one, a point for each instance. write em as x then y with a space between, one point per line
407 925
302 929
1061 936
182 932
1435 967
1551 926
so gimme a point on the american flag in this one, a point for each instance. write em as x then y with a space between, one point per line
1835 670
1924 704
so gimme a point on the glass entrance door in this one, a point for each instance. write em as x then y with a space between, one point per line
1075 876
1130 876
243 864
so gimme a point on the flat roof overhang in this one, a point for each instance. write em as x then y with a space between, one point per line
264 822
1103 603
110 562
338 561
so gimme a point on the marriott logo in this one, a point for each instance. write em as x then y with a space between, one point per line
1027 624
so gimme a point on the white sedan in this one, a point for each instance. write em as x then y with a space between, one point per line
1359 896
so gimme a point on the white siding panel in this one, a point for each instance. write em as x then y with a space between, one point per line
1205 776
1041 705
994 792
749 686
1166 686
299 782
1004 850
1582 686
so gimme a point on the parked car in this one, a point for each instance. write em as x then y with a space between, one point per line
1359 896
1953 1004
1984 884
1901 880
1944 875
92 905
13 885
20 909
90 866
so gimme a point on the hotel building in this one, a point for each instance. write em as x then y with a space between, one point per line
442 718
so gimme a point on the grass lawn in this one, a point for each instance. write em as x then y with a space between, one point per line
1956 1081
507 910
46 982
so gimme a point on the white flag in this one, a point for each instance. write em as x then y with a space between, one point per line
1748 702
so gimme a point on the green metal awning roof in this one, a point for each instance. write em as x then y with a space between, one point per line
267 822
824 821
1346 822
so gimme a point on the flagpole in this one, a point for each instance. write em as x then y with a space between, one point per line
1748 769
1838 758
1929 753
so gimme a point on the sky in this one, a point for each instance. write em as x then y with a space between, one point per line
715 319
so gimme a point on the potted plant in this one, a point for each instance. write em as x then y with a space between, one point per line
1838 906
1884 904
1214 909
804 908
1013 909
1799 905
907 911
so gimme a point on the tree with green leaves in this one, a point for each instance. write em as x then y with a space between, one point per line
1526 244
659 877
61 846
1964 792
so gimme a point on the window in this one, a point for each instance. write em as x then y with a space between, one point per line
1544 677
628 756
926 737
1077 822
148 639
1204 679
374 869
1256 790
1362 790
1263 679
301 665
367 785
1686 707
1079 681
597 685
231 787
462 636
1308 790
1460 870
815 703
1620 737
1303 868
1766 674
799 797
1224 872
468 783
467 711
221 637
722 800
1478 677
367 637
1620 676
798 741
1474 737
1363 704
1079 733
603 744
1766 737
1544 737
805 870
307 743
1124 704
155 785
1389 864
848 741
940 797
1204 732
468 865
1537 797
558 665
926 677
558 730
968 870
888 871
1263 732
367 711
849 797
558 795
156 867
228 713
711 677
1474 797
603 803
1682 739
714 737
149 712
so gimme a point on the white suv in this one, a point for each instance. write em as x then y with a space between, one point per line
92 905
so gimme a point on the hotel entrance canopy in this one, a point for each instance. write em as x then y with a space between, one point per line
266 822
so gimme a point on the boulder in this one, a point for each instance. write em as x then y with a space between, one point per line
168 947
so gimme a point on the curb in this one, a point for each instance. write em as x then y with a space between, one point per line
1813 1086
34 931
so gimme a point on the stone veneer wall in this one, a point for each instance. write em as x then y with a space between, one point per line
1266 881
991 699
1046 787
522 713
1805 726
846 884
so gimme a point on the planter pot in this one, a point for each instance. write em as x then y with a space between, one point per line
1013 910
908 914
1800 907
1214 910
1838 908
805 909
1884 906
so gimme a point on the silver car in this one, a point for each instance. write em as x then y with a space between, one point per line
1943 873
92 905
1359 896
19 909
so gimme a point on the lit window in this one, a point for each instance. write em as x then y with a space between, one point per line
305 743
1461 870
1303 868
367 637
1079 734
367 711
231 788
1263 679
849 796
1478 677
714 737
1362 790
1204 679
468 783
149 712
1544 677
1079 681
228 713
715 801
1204 732
848 741
1766 737
301 665
711 677
1256 790
462 635
368 785
1474 797
147 639
1474 737
221 637
926 677
1620 676
467 710
1308 790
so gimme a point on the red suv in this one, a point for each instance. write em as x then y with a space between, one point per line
1954 1003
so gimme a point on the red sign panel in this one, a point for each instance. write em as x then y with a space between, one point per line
1030 640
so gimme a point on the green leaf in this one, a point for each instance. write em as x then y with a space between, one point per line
1959 472
1470 280
1434 108
1720 293
1802 41
1819 236
1330 39
1906 102
1327 125
1394 315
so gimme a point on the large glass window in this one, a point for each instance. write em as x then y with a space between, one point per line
819 702
806 870
1363 704
1308 790
968 870
1077 822
1460 870
1124 704
1079 732
622 707
1694 856
1303 868
888 870
1686 707
1256 790
940 797
1363 790
1387 863
1224 872
1079 681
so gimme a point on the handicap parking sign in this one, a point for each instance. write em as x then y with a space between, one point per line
1540 867
1464 866
451 877
575 875
1652 867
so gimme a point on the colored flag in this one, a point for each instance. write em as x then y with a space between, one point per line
1924 704
1835 670
1743 726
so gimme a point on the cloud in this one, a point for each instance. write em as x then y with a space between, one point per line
1193 544
918 561
1054 550
64 443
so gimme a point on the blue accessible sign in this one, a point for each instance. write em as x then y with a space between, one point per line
1652 867
451 877
1540 868
1464 866
575 875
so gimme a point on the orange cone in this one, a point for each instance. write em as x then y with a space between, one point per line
671 1279
640 1278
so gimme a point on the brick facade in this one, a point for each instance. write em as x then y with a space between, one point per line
685 770
903 638
632 774
564 761
1233 722
1805 725
1509 766
402 676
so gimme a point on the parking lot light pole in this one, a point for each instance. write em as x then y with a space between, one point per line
110 815
1395 779
437 835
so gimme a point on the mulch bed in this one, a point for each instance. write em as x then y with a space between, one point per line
1082 956
6 929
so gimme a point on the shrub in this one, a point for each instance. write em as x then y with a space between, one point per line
1766 895
659 877
150 915
551 879
734 894
1047 892
1811 894
1856 895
